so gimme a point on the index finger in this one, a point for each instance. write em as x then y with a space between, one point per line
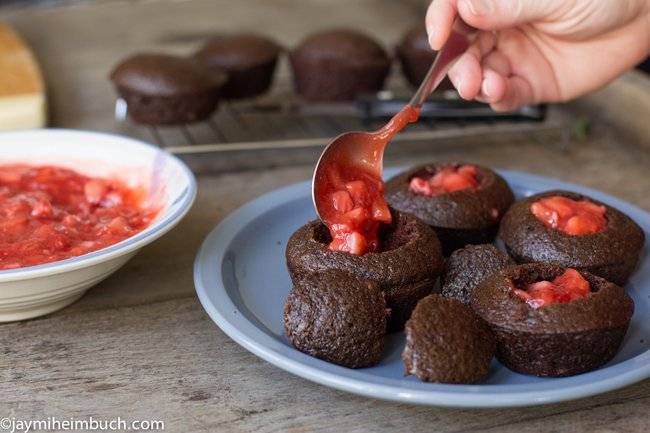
439 21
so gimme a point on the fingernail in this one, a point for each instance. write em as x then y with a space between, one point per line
480 7
459 86
484 88
430 33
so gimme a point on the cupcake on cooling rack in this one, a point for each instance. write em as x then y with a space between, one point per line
248 59
462 202
416 56
573 230
338 65
162 89
406 266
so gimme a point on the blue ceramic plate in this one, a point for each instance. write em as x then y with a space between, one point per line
242 282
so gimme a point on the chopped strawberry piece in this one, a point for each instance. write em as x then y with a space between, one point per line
545 213
573 281
44 231
468 171
569 286
543 293
342 201
456 181
353 242
42 209
380 211
561 205
119 225
95 190
593 207
420 186
356 216
583 224
337 244
446 180
340 228
573 217
356 243
10 176
359 192
12 227
522 294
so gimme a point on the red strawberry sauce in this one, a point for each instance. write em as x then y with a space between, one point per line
447 180
50 213
357 200
563 289
572 217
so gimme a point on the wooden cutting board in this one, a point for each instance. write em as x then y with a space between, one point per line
22 90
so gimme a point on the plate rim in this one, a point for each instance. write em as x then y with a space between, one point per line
249 336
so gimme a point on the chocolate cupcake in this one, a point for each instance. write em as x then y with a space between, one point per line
338 65
416 56
406 269
605 242
249 60
553 321
167 90
446 342
337 317
463 203
468 266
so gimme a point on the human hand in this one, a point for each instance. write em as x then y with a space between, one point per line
530 51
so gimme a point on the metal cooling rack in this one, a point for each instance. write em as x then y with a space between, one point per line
283 124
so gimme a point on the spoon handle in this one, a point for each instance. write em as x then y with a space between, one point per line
459 40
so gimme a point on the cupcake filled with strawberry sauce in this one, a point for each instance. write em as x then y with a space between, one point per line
462 202
550 320
575 231
403 256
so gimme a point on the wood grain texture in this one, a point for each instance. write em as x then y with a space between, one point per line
140 346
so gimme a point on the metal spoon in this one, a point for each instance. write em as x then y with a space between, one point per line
365 150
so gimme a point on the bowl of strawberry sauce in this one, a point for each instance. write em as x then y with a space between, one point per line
74 207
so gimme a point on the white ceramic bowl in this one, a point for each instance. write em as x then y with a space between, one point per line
37 290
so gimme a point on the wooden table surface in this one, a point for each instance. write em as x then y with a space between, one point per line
139 344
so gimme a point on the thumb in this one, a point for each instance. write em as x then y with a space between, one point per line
499 14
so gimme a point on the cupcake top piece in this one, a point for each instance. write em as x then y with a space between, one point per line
354 47
238 51
165 75
337 317
446 342
468 266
